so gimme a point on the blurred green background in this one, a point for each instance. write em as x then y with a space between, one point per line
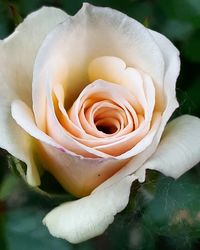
162 213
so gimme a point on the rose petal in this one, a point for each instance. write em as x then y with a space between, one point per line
24 118
77 175
88 217
70 57
172 67
179 149
126 143
107 68
132 79
19 51
56 131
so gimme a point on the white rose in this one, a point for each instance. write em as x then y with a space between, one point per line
90 95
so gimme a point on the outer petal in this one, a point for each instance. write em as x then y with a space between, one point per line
88 217
172 67
19 51
179 149
76 174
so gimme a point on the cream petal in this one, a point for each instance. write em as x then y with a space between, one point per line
69 57
145 142
77 175
20 48
125 143
107 90
88 217
114 70
107 68
179 148
23 116
138 134
62 114
128 142
61 136
132 79
19 51
172 67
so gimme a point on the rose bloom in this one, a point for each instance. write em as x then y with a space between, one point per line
87 98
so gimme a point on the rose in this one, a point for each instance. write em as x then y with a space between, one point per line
90 96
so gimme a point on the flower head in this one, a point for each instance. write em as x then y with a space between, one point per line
90 96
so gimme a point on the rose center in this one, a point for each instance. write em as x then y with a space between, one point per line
107 129
106 126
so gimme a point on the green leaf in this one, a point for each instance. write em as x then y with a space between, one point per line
183 10
24 230
18 167
173 214
191 47
7 186
177 30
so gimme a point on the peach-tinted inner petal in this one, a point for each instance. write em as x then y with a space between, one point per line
111 114
112 119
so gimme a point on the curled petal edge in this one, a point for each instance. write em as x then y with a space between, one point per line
179 148
88 217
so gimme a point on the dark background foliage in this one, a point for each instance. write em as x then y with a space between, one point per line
162 213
